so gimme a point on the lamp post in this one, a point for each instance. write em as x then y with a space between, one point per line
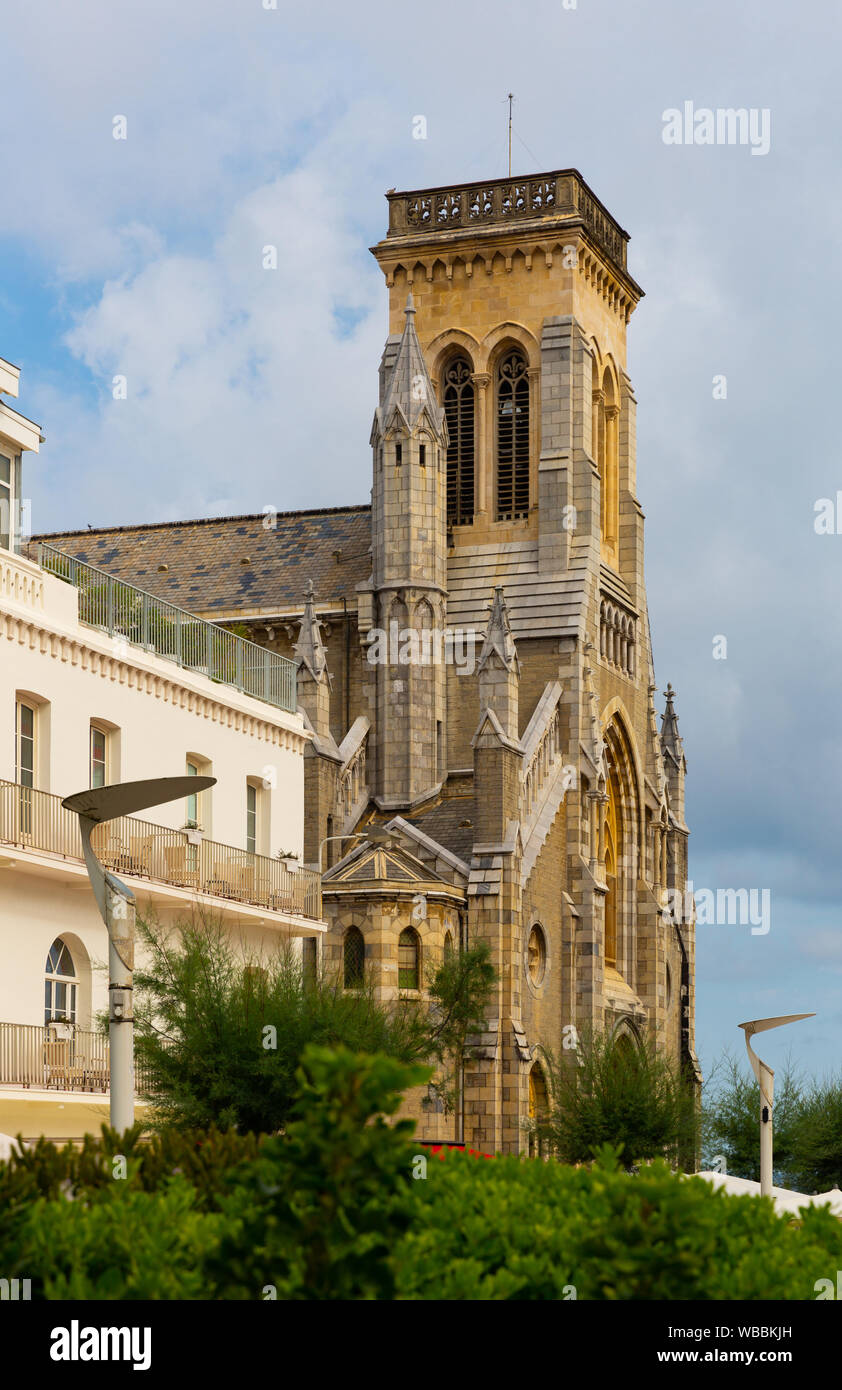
766 1082
376 835
116 905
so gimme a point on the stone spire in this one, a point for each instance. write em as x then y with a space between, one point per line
310 649
675 764
322 759
498 636
670 737
410 389
498 668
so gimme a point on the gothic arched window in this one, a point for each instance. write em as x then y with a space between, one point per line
60 984
353 958
409 953
512 437
459 412
539 1107
606 435
612 832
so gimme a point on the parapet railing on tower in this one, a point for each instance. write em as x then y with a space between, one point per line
352 787
142 619
542 748
35 820
544 778
507 202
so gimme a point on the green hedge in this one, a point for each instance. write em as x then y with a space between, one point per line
204 1158
127 1244
520 1229
337 1208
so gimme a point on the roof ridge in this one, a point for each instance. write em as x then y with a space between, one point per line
199 521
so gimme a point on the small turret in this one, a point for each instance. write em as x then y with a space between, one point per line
409 574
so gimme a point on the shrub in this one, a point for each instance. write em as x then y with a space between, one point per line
203 1158
78 1231
613 1092
330 1210
203 1016
515 1229
731 1120
317 1215
127 1244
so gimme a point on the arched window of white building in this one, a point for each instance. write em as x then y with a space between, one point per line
60 984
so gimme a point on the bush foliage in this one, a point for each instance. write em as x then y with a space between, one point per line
613 1091
221 1039
515 1229
807 1120
340 1207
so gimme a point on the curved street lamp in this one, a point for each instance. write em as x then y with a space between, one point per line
376 835
116 903
766 1082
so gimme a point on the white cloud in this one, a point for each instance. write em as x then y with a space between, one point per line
250 127
238 377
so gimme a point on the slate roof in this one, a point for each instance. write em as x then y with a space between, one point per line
205 572
442 824
206 575
538 605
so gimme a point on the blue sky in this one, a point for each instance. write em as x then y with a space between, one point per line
248 126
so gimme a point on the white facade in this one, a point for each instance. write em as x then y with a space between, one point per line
79 707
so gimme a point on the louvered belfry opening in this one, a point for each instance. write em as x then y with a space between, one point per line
459 412
512 438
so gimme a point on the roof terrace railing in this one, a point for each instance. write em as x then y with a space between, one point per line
140 618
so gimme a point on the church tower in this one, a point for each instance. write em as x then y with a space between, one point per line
409 576
507 752
524 299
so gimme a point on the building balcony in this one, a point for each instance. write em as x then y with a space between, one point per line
54 1081
56 1057
172 864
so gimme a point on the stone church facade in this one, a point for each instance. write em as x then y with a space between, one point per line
474 648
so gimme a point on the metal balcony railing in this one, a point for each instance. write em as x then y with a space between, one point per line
138 849
145 621
58 1059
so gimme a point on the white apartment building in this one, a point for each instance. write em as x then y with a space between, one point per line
101 683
